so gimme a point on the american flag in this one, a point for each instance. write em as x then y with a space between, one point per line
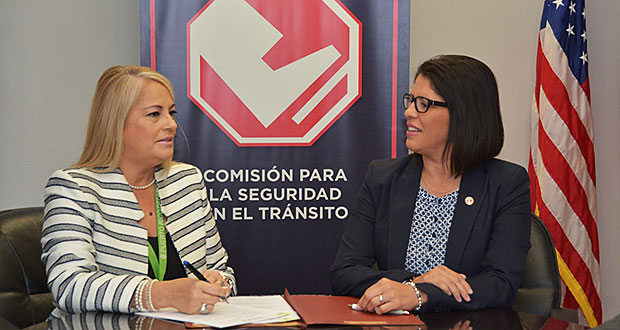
561 165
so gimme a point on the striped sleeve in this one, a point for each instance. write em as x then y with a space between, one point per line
192 223
76 282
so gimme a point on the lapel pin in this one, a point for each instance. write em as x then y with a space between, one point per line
469 200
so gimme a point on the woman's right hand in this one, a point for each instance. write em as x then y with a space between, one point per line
449 281
186 294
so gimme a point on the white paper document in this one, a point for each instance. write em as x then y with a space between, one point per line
239 310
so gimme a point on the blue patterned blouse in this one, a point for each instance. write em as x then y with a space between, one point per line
430 228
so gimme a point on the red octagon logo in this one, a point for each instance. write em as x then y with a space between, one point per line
274 72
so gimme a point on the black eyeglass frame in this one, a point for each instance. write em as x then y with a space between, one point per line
409 98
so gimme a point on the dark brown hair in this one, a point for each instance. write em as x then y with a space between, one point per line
476 132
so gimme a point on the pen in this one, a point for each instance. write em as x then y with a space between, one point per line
202 278
395 312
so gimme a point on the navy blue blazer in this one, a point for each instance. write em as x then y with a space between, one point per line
488 240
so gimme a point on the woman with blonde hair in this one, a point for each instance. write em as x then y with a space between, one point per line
119 223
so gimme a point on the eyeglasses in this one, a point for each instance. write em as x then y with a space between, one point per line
421 103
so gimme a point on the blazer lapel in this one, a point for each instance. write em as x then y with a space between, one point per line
403 195
471 194
126 207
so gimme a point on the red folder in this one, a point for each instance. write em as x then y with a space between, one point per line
320 309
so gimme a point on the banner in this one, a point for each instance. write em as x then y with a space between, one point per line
282 104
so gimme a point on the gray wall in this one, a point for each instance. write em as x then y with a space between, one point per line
51 57
53 53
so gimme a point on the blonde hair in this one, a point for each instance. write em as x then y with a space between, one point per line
117 91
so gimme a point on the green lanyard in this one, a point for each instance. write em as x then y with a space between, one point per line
159 266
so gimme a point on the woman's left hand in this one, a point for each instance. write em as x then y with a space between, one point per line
387 295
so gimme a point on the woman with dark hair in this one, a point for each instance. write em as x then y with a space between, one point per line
446 227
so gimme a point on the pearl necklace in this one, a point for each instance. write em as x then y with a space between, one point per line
142 187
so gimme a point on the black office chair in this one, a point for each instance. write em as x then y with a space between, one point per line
24 297
540 291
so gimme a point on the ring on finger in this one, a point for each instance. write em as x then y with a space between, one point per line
381 298
204 309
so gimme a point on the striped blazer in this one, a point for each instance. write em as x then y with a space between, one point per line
95 252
